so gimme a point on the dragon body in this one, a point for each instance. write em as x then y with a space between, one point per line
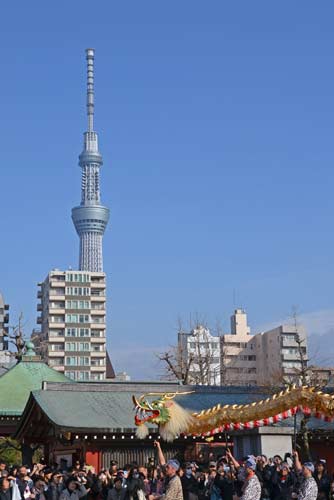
174 420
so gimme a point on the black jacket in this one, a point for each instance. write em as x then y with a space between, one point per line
282 488
6 494
190 487
324 484
225 486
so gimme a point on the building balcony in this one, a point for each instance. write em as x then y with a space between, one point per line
56 325
39 307
98 285
97 295
97 312
39 294
57 283
97 340
56 310
39 320
98 354
56 354
56 339
96 326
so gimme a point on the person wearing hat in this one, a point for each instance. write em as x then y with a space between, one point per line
308 489
322 479
174 486
251 489
282 482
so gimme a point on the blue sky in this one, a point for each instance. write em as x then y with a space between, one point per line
215 122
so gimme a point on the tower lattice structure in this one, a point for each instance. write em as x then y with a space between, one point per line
90 218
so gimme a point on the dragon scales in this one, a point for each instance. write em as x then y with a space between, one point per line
174 420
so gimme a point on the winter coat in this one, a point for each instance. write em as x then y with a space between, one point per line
282 486
324 484
73 495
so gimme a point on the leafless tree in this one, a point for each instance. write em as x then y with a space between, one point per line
195 365
176 364
15 338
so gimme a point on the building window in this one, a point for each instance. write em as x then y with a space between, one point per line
83 361
71 318
71 332
78 277
83 332
70 346
77 318
77 332
97 333
71 361
98 319
77 290
77 304
56 347
84 346
57 319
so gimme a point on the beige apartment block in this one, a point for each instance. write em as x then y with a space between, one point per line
238 352
279 358
73 323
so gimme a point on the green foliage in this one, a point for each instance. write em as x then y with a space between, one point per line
10 451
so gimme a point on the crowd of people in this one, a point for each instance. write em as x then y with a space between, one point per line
252 478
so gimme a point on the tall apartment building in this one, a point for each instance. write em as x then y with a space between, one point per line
73 323
204 349
238 352
279 357
4 318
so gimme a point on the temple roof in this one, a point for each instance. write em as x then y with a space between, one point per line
17 383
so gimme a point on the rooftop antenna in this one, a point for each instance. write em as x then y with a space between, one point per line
90 88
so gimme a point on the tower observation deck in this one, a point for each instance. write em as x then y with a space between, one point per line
90 218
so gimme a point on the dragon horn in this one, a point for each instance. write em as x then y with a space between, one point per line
165 396
137 402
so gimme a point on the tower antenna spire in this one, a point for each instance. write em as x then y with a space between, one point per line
90 88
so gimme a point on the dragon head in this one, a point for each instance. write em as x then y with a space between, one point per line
162 412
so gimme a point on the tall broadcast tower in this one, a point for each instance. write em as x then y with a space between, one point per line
90 218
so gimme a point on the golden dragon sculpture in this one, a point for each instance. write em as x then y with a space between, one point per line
174 420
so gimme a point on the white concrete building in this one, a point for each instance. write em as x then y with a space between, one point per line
73 323
204 348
